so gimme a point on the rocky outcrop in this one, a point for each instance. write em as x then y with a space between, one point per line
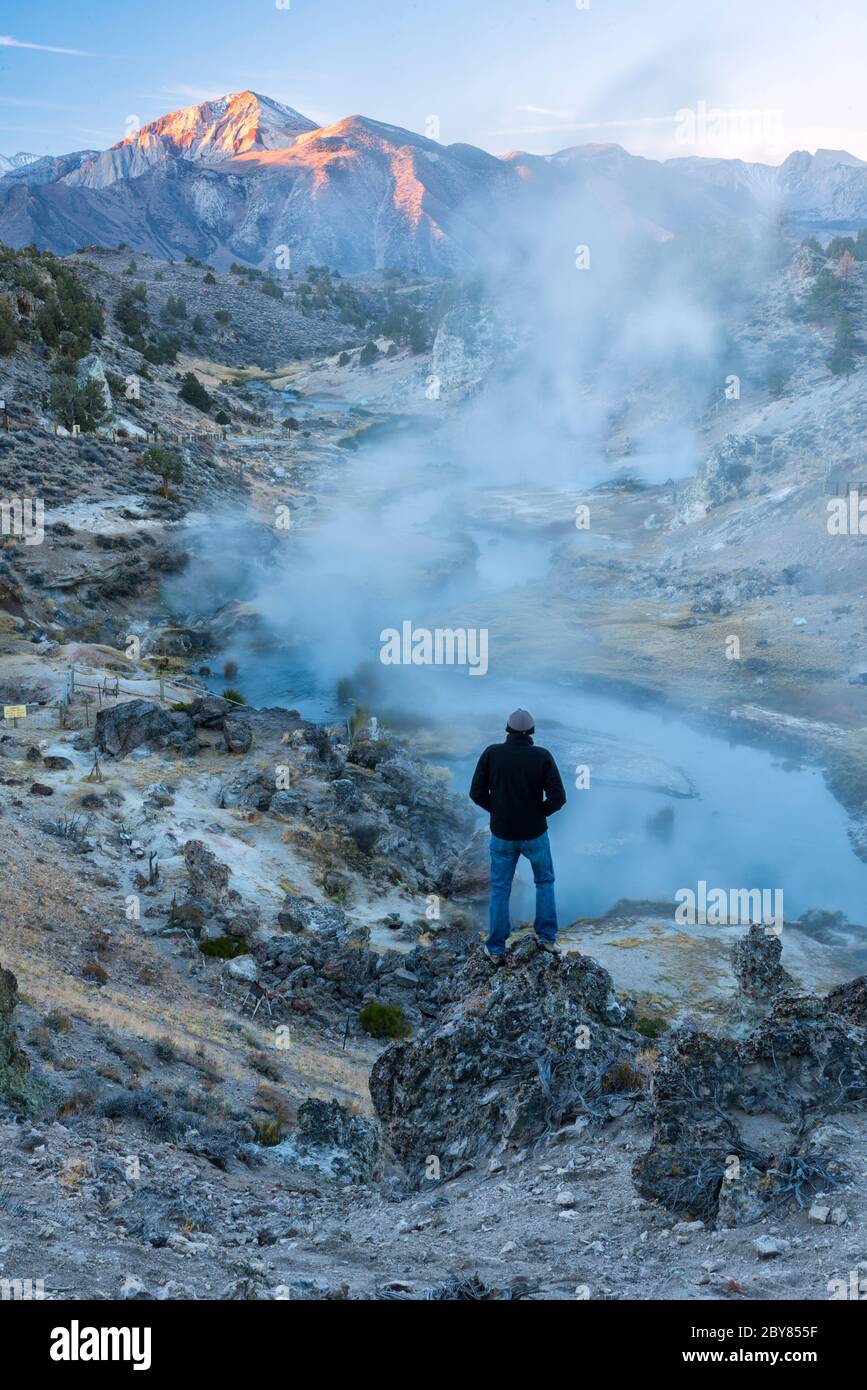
300 914
464 351
733 1119
19 1088
850 1000
209 711
134 723
253 789
517 1052
237 733
212 907
209 878
756 964
332 1140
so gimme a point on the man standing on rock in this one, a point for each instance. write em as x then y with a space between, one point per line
520 785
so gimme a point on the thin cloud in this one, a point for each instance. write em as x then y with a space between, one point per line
7 42
32 104
547 111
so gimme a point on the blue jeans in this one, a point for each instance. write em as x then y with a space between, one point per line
504 859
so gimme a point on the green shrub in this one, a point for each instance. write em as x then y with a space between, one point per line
130 311
651 1027
268 1132
384 1020
824 302
161 351
8 329
174 308
166 463
234 696
223 947
193 392
778 372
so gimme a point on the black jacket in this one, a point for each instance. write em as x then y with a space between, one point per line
520 785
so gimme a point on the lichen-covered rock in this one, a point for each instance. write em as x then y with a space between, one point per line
756 964
208 876
19 1088
850 1000
331 1140
252 789
517 1051
305 914
243 968
748 1107
237 733
349 1143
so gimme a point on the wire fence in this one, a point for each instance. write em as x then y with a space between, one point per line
59 713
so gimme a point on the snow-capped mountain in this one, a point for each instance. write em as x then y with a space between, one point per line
208 132
234 179
11 162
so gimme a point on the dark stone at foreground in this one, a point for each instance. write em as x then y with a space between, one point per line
514 1053
733 1119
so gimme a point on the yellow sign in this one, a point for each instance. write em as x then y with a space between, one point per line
14 711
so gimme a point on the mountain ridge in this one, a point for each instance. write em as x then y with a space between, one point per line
237 177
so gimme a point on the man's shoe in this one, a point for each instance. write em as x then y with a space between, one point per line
550 947
494 957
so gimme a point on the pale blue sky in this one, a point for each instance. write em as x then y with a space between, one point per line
504 74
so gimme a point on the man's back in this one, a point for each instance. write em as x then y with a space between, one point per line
519 784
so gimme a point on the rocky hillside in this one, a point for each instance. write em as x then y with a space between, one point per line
249 1044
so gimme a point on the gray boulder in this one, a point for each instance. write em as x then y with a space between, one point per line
238 733
243 968
300 914
286 803
136 722
365 833
252 789
209 711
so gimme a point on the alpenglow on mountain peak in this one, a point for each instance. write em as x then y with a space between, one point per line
226 126
209 131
